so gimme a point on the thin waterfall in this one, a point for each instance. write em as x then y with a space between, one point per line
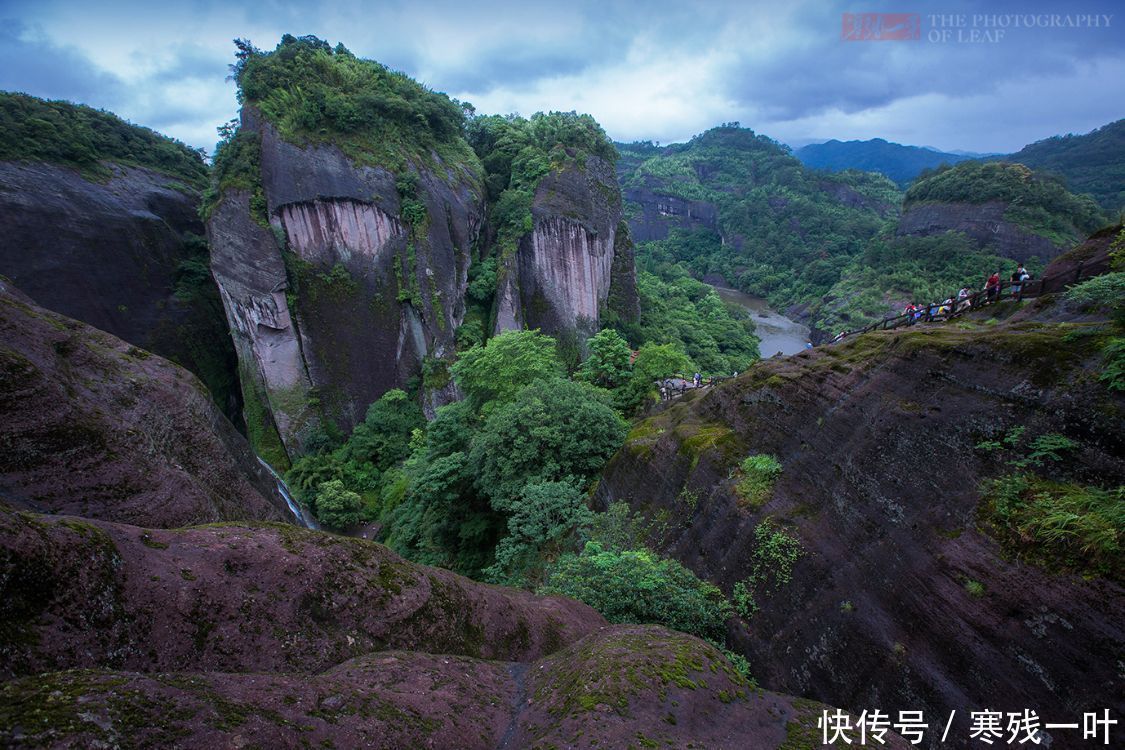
303 517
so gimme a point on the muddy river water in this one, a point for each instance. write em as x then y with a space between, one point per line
777 332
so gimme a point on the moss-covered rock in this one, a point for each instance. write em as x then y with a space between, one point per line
619 687
878 437
246 598
95 427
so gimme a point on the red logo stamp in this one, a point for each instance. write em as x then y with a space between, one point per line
880 27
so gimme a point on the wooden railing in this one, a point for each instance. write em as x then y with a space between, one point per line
1017 290
687 383
934 312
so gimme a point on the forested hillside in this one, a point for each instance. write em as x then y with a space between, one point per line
74 135
783 231
1093 163
1035 201
834 248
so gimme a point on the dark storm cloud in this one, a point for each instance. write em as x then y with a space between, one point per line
660 70
819 71
33 65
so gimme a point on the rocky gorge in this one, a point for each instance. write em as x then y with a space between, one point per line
443 337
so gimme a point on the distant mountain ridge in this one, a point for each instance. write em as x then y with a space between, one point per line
1092 163
898 162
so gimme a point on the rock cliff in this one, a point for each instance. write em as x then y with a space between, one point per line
113 254
656 214
984 223
903 594
577 262
340 296
1013 211
226 635
96 427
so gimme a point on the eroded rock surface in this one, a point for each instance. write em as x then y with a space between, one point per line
617 687
577 262
984 223
109 254
93 426
899 599
238 598
658 214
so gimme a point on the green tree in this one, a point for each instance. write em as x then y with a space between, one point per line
451 431
653 362
493 374
336 506
637 586
553 430
608 363
545 517
383 438
442 521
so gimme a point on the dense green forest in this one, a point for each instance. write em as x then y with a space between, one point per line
795 236
893 270
788 234
1036 202
81 137
1093 163
496 486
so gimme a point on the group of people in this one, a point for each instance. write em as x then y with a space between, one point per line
964 300
936 311
670 386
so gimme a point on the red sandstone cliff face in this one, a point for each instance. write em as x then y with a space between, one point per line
248 598
95 427
614 688
880 485
340 299
223 635
109 254
576 263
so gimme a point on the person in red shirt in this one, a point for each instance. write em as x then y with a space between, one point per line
992 286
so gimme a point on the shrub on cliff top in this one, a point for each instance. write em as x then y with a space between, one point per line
1106 291
82 137
314 92
517 153
1072 526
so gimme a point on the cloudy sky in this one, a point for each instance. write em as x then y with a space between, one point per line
983 76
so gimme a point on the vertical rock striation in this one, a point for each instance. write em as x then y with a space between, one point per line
342 297
561 278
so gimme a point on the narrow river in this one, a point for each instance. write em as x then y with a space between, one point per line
777 332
